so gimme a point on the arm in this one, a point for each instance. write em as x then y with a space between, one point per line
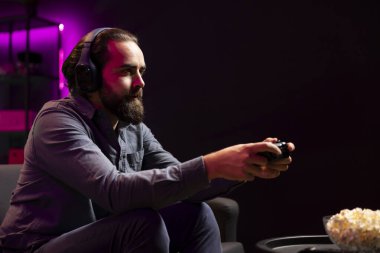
64 149
227 168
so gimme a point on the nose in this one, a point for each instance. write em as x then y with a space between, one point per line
138 81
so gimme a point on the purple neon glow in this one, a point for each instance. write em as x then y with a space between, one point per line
43 41
61 77
60 62
73 24
77 22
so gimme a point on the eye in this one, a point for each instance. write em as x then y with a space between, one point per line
130 71
142 71
127 71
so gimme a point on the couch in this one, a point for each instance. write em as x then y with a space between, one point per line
226 210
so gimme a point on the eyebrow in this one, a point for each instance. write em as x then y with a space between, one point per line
130 66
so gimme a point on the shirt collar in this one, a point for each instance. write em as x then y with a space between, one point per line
84 106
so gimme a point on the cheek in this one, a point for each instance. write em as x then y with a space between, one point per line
117 84
122 85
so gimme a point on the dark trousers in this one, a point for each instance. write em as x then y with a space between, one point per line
182 227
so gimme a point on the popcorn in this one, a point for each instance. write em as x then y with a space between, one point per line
355 230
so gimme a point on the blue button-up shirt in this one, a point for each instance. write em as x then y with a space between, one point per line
74 160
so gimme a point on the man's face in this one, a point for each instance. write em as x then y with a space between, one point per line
121 92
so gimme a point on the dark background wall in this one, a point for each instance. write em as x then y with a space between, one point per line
228 72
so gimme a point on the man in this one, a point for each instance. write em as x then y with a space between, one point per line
95 179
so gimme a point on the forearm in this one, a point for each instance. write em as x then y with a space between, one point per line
217 187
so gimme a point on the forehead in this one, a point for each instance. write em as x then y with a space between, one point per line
124 52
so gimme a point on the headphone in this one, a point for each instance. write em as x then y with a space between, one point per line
87 77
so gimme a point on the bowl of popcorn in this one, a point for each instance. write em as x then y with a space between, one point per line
356 230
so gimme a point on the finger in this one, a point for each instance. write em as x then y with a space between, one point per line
268 173
284 161
271 139
262 172
278 167
263 147
291 146
255 159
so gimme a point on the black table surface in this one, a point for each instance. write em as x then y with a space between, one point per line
297 244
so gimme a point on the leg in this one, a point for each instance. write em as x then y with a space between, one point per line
140 230
192 228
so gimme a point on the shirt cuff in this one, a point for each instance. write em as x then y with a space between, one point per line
194 174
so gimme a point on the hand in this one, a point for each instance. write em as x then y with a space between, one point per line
241 162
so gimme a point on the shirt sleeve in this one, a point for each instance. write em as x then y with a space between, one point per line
63 148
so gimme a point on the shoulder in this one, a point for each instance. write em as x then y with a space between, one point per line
62 114
76 108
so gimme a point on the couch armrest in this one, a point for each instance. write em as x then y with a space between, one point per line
226 212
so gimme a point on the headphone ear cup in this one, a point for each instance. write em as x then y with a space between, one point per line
85 71
87 77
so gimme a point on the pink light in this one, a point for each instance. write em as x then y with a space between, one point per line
60 63
61 78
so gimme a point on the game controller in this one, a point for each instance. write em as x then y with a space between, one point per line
284 152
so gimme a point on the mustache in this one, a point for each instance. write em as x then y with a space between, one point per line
135 93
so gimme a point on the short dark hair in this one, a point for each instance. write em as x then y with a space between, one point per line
99 55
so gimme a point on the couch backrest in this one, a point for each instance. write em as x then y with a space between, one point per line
8 179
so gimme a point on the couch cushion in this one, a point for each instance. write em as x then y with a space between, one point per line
8 179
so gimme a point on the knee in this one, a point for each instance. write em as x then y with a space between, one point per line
205 222
202 213
207 215
151 220
206 210
147 225
144 219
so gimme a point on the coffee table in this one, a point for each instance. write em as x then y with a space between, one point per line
297 244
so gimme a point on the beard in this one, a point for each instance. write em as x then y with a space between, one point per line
128 108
